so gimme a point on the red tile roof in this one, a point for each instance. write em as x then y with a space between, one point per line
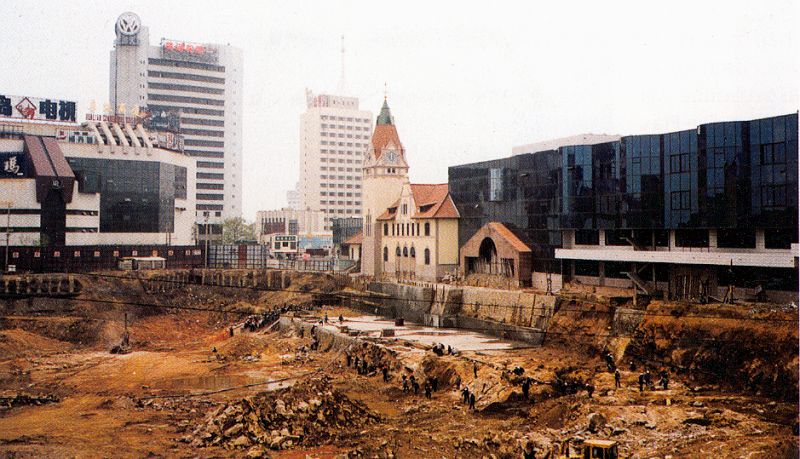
357 238
432 201
382 136
509 236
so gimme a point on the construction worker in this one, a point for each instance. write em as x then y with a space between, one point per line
405 384
465 395
590 389
526 388
664 379
610 362
472 401
385 371
642 380
341 318
458 382
415 385
617 377
427 390
326 317
435 384
475 369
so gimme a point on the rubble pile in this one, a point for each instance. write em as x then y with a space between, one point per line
309 413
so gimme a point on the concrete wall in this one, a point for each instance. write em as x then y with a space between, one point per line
515 314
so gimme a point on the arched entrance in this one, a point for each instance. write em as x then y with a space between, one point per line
487 257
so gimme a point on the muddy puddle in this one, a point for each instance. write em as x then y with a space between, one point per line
218 382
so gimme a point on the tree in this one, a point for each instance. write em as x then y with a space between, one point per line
236 230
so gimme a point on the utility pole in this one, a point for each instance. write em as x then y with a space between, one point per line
206 214
8 233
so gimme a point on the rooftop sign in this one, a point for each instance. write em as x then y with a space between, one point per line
32 108
187 51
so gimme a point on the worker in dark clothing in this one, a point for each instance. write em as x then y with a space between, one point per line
472 401
230 332
427 390
610 362
642 380
617 377
458 382
590 389
364 366
664 379
526 388
435 383
341 318
355 363
475 369
465 395
633 366
385 371
415 385
349 359
405 384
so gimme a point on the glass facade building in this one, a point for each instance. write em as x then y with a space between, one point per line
135 196
717 184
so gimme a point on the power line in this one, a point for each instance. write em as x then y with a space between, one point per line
359 296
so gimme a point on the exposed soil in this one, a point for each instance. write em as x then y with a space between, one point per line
75 399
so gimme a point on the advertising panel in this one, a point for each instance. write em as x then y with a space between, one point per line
32 108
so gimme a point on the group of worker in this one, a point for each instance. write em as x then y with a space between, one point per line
410 384
646 380
363 367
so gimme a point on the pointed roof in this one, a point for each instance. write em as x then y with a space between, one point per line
385 116
385 132
432 201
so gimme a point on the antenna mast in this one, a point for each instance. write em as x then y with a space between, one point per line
342 84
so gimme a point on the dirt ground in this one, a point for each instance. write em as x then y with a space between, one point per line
136 405
185 369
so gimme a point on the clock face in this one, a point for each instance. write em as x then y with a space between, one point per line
391 156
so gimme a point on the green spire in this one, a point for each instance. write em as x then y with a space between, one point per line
385 116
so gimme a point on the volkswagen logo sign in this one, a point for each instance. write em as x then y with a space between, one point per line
128 23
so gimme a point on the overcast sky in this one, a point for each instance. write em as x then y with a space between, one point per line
467 81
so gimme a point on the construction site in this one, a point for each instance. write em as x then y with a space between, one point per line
284 364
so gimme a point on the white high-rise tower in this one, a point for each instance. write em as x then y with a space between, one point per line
199 84
334 134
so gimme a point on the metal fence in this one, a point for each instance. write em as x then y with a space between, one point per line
240 256
85 258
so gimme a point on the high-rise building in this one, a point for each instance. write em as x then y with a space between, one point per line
194 89
334 134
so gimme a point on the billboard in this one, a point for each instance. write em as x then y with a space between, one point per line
187 51
32 108
168 121
13 165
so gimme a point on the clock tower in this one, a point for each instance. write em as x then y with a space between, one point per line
385 170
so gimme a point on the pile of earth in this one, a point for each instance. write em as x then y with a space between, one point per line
308 413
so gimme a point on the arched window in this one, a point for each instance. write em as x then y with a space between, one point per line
427 228
413 253
405 251
427 256
385 229
386 254
397 252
